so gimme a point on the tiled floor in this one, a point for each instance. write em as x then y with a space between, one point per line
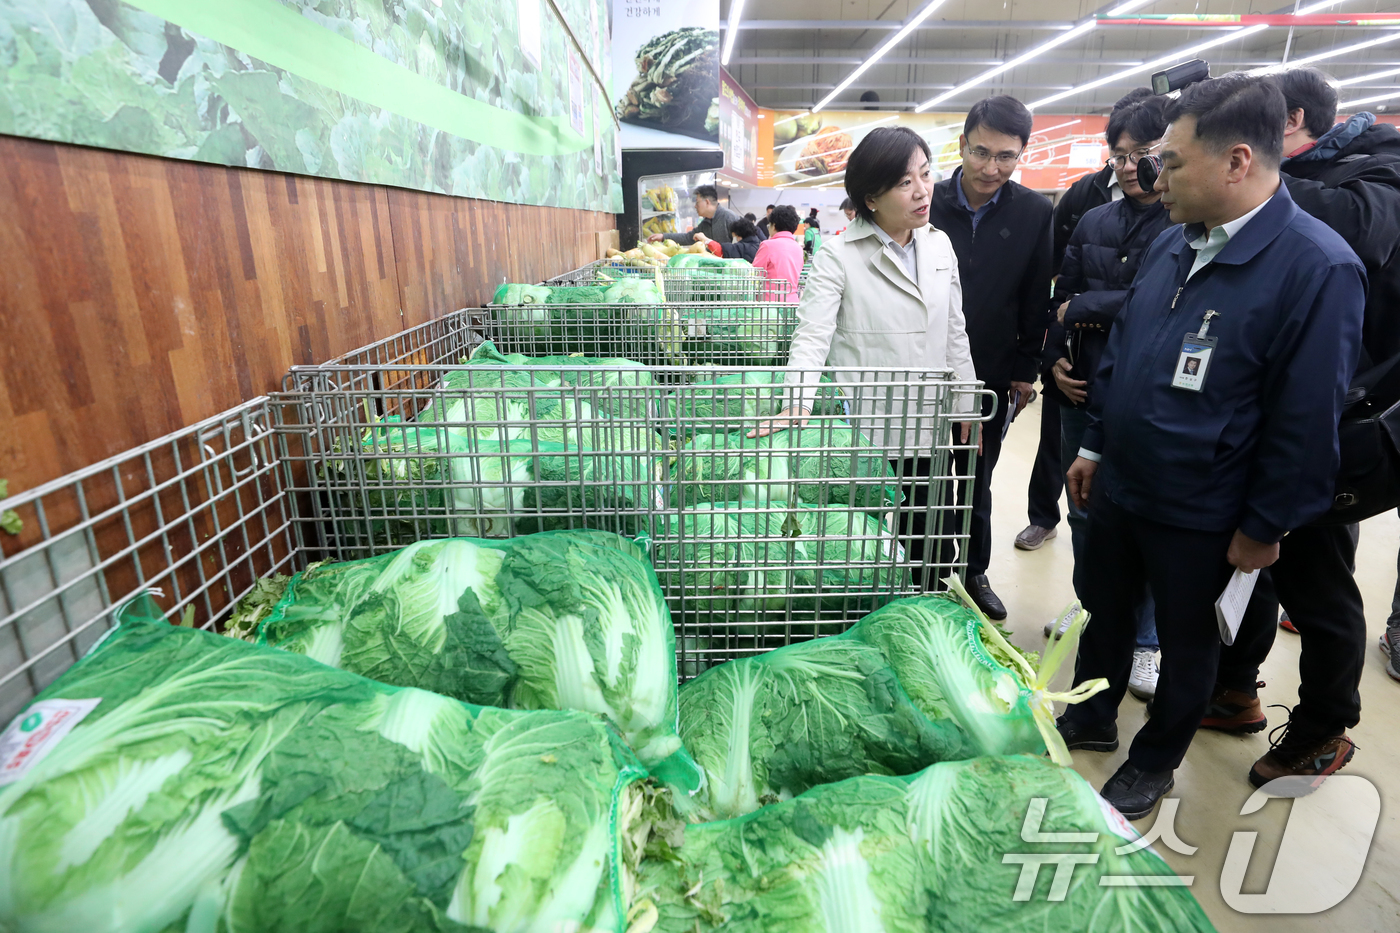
1212 783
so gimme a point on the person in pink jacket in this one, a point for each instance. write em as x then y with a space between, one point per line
781 255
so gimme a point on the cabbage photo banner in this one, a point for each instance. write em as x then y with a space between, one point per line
438 95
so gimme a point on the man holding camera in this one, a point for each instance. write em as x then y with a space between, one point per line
1187 476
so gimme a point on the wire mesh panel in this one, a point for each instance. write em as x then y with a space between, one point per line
697 333
758 540
199 514
396 362
730 282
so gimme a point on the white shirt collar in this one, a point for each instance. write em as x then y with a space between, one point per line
1115 190
907 254
1229 228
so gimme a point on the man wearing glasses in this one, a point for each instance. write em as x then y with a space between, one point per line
1002 237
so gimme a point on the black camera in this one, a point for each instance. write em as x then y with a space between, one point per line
1165 82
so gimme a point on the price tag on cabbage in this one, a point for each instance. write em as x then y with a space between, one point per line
35 732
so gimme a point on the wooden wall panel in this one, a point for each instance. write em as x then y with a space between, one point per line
139 295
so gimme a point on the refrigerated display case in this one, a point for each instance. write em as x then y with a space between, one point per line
657 190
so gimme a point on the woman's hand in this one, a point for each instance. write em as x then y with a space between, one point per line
1076 390
785 419
966 432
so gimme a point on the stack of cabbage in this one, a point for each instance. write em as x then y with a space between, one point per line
503 449
939 851
909 685
542 320
562 620
218 786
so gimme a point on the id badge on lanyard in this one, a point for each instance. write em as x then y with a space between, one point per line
1194 362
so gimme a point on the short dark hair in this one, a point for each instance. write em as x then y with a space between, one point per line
846 205
744 227
1003 113
813 212
751 216
706 191
878 162
1132 97
1143 120
1308 89
784 218
770 207
1236 108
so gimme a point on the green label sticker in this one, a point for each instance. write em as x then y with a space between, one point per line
32 723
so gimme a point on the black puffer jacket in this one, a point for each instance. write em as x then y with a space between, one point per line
1354 188
1100 261
1083 196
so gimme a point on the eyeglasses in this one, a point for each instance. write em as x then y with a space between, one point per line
980 156
1134 157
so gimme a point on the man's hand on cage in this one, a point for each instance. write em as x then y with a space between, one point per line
785 419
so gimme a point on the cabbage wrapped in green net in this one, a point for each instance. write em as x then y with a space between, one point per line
576 294
880 854
213 785
516 294
738 400
745 581
614 388
821 464
742 336
562 620
768 727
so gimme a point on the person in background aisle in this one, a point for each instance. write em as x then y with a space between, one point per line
1100 260
1001 234
764 224
812 237
886 293
1348 177
1188 476
745 245
781 256
714 223
849 211
762 234
1047 472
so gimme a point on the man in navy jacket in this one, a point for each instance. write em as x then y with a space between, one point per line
1191 469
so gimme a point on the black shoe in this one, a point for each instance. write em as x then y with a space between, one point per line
985 599
1133 792
1088 738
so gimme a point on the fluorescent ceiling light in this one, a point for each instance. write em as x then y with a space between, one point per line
736 9
1058 126
879 53
1128 7
1170 58
1330 53
1313 8
981 79
1347 104
1370 77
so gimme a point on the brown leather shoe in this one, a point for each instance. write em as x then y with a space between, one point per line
1298 753
1033 537
1235 712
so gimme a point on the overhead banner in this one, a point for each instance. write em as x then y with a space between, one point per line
811 149
666 73
738 130
479 98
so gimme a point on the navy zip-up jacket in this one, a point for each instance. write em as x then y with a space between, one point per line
1256 449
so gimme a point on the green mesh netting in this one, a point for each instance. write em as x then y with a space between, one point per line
881 854
219 786
738 400
561 620
911 684
822 464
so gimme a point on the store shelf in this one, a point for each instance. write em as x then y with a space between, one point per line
646 214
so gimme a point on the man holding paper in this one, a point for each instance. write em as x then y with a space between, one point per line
1191 471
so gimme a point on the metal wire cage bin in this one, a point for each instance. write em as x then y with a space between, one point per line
696 333
728 283
758 541
200 514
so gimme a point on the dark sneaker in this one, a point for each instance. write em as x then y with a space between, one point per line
1134 792
1034 537
1286 624
1234 711
1088 738
1390 644
1301 753
985 599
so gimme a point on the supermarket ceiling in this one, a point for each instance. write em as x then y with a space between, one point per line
792 54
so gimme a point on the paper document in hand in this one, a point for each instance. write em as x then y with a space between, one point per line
1230 607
